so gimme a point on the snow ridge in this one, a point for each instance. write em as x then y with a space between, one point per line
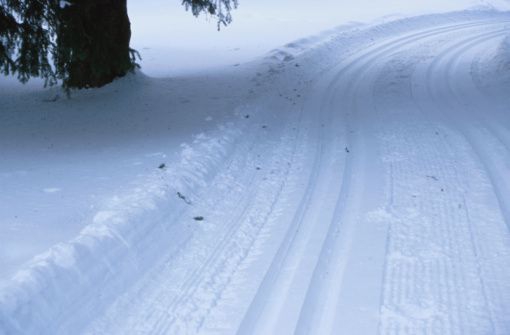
114 247
356 153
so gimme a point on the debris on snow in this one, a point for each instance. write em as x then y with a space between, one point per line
183 197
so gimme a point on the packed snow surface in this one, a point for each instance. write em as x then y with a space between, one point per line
173 42
354 182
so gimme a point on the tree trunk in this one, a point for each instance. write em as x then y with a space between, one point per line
93 42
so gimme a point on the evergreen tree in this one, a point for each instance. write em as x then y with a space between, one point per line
27 31
83 43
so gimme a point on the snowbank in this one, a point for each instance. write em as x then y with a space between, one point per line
172 41
291 50
76 279
113 249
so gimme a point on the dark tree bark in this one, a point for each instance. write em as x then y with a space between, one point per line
93 42
83 43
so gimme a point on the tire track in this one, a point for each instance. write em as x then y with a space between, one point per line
311 260
316 302
198 276
483 145
465 269
497 170
254 314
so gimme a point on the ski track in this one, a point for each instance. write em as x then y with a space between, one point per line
473 297
382 206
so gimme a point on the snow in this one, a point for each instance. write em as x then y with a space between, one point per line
173 42
353 181
63 3
62 160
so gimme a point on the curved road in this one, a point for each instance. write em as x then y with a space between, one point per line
378 200
383 208
386 208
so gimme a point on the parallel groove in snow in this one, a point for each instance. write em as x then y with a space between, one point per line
365 206
253 323
465 309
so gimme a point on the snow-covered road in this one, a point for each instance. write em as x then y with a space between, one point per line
364 189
